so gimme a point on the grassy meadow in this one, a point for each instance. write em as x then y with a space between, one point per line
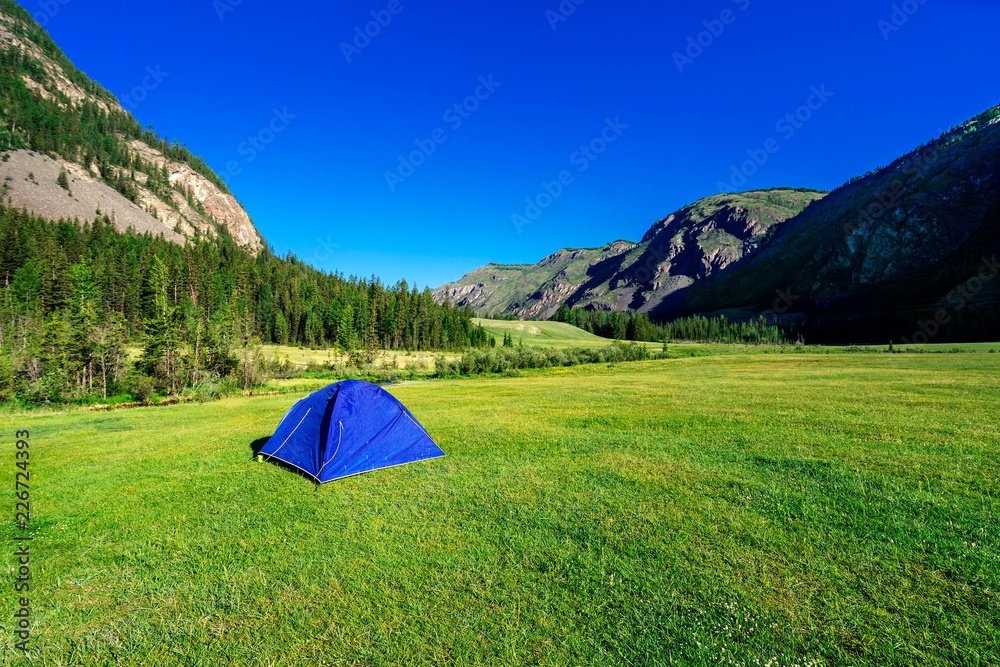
302 357
797 509
547 334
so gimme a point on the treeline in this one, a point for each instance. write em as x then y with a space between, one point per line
634 326
74 297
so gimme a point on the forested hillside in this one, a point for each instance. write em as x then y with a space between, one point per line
54 117
905 252
73 297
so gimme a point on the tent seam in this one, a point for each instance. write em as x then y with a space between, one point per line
337 451
380 432
292 433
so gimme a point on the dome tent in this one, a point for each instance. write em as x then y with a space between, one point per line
347 429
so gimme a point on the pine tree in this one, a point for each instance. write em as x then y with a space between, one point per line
160 356
63 181
109 340
51 374
345 329
372 338
83 320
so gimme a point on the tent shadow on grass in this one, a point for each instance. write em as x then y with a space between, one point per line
258 445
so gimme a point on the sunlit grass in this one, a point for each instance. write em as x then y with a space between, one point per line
801 508
402 359
548 334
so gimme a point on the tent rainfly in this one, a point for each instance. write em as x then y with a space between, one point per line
347 429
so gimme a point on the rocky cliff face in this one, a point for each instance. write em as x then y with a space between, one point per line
214 206
678 251
31 181
139 182
530 291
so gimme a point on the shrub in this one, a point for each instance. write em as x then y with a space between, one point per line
52 387
505 360
139 386
281 368
443 367
208 390
361 359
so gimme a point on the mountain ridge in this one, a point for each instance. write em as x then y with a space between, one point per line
880 255
53 116
906 251
676 251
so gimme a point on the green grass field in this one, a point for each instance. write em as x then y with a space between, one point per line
548 334
748 510
561 335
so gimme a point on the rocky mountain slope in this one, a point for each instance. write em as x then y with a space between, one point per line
530 291
907 250
56 121
31 181
682 249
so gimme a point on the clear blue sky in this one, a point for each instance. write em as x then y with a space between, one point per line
319 189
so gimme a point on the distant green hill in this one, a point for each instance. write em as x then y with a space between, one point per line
547 334
678 251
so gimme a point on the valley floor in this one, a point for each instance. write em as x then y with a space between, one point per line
786 509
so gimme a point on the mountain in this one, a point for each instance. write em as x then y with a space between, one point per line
531 291
678 251
70 150
908 251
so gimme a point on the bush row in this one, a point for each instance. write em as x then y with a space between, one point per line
510 360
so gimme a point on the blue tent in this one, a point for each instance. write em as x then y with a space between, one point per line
348 429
